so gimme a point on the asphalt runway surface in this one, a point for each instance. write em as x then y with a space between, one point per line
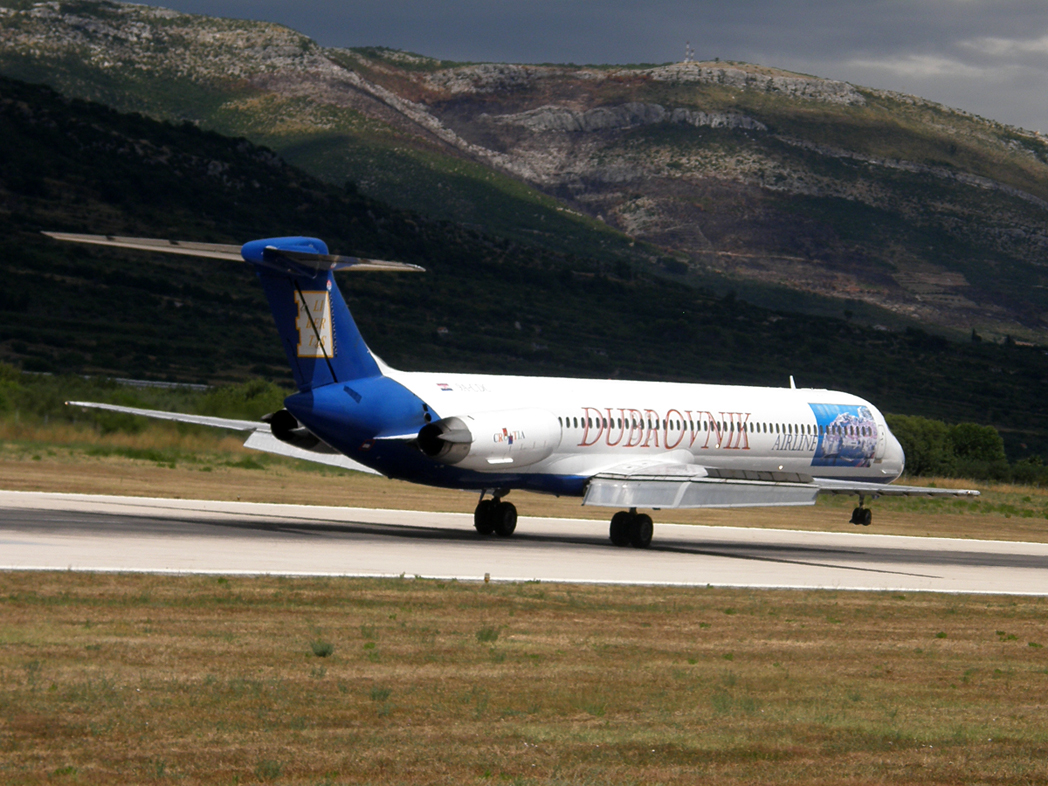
40 531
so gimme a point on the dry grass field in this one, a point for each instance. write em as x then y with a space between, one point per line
147 679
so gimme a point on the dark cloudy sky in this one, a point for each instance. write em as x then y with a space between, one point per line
989 57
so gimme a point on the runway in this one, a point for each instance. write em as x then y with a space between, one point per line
41 531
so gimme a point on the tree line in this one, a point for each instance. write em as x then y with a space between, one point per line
961 450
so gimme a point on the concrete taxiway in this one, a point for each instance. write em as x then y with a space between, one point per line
106 533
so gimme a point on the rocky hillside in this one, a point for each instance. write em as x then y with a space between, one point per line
727 174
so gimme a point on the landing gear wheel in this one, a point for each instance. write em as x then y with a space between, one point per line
483 519
641 528
862 516
504 517
620 528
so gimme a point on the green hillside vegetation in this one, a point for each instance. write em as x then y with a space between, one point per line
504 307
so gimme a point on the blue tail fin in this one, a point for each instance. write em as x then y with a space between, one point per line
322 342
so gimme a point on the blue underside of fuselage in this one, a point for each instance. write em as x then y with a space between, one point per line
360 417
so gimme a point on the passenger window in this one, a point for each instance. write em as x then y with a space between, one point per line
576 422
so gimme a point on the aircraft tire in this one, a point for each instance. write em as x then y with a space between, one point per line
483 516
504 516
620 528
641 529
856 517
867 517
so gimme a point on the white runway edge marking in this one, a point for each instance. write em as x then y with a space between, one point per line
570 551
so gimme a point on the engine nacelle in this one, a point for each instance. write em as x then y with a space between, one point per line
285 427
492 441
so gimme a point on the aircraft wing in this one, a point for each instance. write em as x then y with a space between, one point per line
157 414
676 485
261 437
828 486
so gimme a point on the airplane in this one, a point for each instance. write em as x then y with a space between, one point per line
616 444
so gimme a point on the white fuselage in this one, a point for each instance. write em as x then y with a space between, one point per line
601 424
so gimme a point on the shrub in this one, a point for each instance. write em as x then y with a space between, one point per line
322 649
926 443
269 770
977 443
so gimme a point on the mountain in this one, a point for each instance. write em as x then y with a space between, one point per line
792 190
485 304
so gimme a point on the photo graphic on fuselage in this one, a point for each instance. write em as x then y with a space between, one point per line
847 435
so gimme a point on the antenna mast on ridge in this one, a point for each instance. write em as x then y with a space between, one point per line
689 53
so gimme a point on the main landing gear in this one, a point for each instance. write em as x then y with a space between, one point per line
862 515
495 516
631 529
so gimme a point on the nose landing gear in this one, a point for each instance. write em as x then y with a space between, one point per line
495 516
631 529
861 515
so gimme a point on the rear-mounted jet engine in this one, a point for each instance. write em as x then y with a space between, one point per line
492 441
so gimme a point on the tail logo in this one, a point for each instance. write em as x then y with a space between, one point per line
314 325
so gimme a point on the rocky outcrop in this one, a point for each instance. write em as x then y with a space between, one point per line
614 118
488 78
943 173
804 87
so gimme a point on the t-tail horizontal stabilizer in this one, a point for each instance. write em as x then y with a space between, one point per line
319 336
206 250
307 262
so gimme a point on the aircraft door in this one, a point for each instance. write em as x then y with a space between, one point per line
882 439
